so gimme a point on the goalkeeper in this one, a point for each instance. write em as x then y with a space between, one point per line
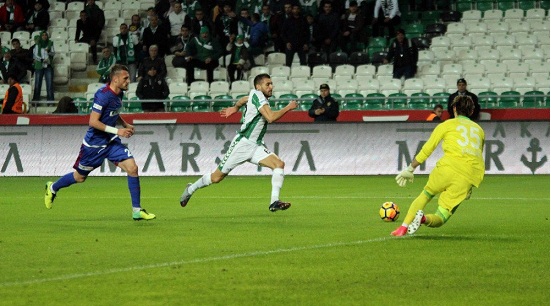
455 174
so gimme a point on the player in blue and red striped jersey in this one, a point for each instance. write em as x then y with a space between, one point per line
102 142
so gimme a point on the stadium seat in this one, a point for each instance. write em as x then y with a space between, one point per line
419 100
513 14
452 69
412 85
440 98
440 43
473 69
180 104
374 101
509 99
495 70
425 56
526 4
444 57
422 43
487 99
488 56
501 85
538 70
301 87
535 14
492 14
367 86
78 53
337 59
240 88
525 84
300 72
177 89
201 103
467 56
353 101
219 88
280 71
397 100
317 58
384 72
347 86
358 58
450 16
533 99
433 85
479 28
387 90
471 15
275 59
517 70
321 72
222 101
282 87
498 27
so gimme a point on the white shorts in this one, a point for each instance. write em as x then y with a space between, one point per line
242 150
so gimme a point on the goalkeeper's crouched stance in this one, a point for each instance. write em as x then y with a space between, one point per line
461 168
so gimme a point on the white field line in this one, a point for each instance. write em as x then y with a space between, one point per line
191 261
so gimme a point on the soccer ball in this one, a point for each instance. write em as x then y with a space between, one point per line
389 212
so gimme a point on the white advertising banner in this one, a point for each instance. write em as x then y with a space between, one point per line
306 148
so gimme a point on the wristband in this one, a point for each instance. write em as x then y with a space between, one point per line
111 130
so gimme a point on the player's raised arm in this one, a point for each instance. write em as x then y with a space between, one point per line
272 116
227 112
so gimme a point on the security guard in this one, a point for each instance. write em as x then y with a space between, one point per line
324 108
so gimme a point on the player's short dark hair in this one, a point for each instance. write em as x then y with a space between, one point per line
464 105
259 78
117 68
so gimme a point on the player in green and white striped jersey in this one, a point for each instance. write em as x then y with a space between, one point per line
248 144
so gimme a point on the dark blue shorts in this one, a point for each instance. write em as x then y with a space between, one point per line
90 158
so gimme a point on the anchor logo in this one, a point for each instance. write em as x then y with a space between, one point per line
534 163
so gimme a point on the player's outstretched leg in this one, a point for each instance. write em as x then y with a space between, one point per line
278 205
142 215
401 231
416 223
186 195
49 196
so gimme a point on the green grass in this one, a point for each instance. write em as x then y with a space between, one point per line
226 248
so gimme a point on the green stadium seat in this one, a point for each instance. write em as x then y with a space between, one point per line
397 100
201 103
440 98
134 107
419 100
464 5
505 4
374 101
430 17
82 105
180 104
484 5
533 99
545 5
222 101
410 17
526 5
509 99
353 101
414 30
379 43
487 99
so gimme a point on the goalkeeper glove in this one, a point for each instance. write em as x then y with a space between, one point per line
404 176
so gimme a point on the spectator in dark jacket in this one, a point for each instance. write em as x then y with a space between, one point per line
295 36
37 19
155 34
324 108
199 21
90 34
11 66
327 29
462 91
259 36
404 54
352 28
152 87
153 60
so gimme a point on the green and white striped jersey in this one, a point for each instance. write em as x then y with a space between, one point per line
253 124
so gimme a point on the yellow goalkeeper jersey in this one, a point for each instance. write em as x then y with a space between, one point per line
462 143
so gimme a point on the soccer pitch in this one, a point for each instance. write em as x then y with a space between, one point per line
226 248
